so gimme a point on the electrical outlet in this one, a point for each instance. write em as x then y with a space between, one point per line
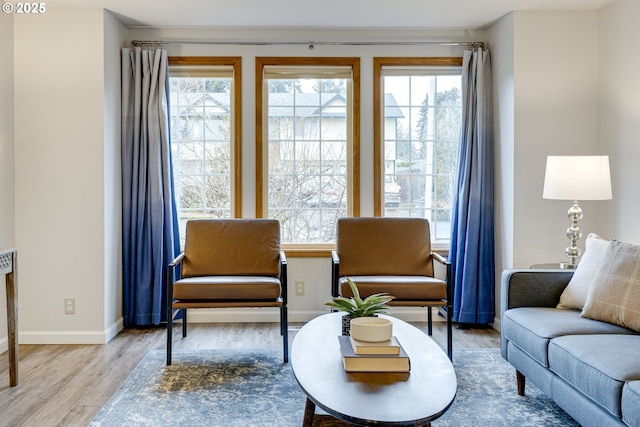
69 306
299 288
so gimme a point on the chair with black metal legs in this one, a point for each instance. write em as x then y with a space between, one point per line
392 255
228 263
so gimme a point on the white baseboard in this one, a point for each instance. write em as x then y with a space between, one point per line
4 345
61 337
71 337
114 329
496 323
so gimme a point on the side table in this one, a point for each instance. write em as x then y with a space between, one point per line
553 266
9 267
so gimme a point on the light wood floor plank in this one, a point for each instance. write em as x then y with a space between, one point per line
67 385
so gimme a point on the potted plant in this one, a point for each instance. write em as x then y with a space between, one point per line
358 307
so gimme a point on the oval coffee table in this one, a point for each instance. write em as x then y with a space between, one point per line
372 398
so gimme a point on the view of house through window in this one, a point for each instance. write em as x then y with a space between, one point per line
421 124
307 140
308 121
201 140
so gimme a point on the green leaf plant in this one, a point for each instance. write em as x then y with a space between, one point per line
358 307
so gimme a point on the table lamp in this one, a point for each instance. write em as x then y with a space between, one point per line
576 178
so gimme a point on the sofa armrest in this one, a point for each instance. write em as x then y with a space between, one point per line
532 288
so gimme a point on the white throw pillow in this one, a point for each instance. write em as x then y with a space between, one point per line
575 294
615 294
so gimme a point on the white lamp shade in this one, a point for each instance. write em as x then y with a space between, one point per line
577 178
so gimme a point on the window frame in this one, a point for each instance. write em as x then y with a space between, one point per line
353 160
378 119
236 117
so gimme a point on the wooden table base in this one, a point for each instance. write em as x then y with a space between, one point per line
309 412
311 419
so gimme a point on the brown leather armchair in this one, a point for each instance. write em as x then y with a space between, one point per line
228 263
392 255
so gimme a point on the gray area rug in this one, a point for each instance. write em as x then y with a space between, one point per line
254 389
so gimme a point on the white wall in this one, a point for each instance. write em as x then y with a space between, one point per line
65 158
619 116
501 44
6 157
546 100
114 39
556 113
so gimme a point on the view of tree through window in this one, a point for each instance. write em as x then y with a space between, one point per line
421 125
201 146
307 156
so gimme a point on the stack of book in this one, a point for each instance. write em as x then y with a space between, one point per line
360 356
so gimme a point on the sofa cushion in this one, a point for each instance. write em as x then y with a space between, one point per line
576 292
615 294
531 328
631 403
597 365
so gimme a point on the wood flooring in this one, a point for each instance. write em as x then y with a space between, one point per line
66 385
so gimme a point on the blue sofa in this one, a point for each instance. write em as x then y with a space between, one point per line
591 369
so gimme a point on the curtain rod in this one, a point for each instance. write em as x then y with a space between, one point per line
159 43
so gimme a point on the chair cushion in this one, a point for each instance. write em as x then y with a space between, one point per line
227 288
384 246
597 365
232 247
403 288
531 328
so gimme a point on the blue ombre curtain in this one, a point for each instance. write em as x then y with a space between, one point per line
472 229
149 220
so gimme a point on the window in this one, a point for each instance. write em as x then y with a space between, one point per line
307 145
205 136
417 104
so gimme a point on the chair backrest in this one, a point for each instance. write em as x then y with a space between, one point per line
231 247
384 246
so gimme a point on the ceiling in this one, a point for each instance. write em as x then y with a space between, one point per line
437 14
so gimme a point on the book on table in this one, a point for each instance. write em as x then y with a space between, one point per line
385 347
372 362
